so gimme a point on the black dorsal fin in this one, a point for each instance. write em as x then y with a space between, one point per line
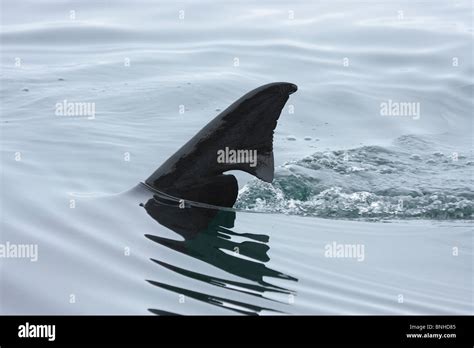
246 127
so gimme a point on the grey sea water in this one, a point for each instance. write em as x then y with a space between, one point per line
396 182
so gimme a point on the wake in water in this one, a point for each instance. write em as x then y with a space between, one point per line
411 179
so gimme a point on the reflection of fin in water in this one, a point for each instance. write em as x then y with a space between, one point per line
236 306
206 240
207 248
252 289
186 222
208 237
162 313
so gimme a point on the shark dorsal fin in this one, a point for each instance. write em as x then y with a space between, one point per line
239 138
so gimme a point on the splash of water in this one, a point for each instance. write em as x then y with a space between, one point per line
407 180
